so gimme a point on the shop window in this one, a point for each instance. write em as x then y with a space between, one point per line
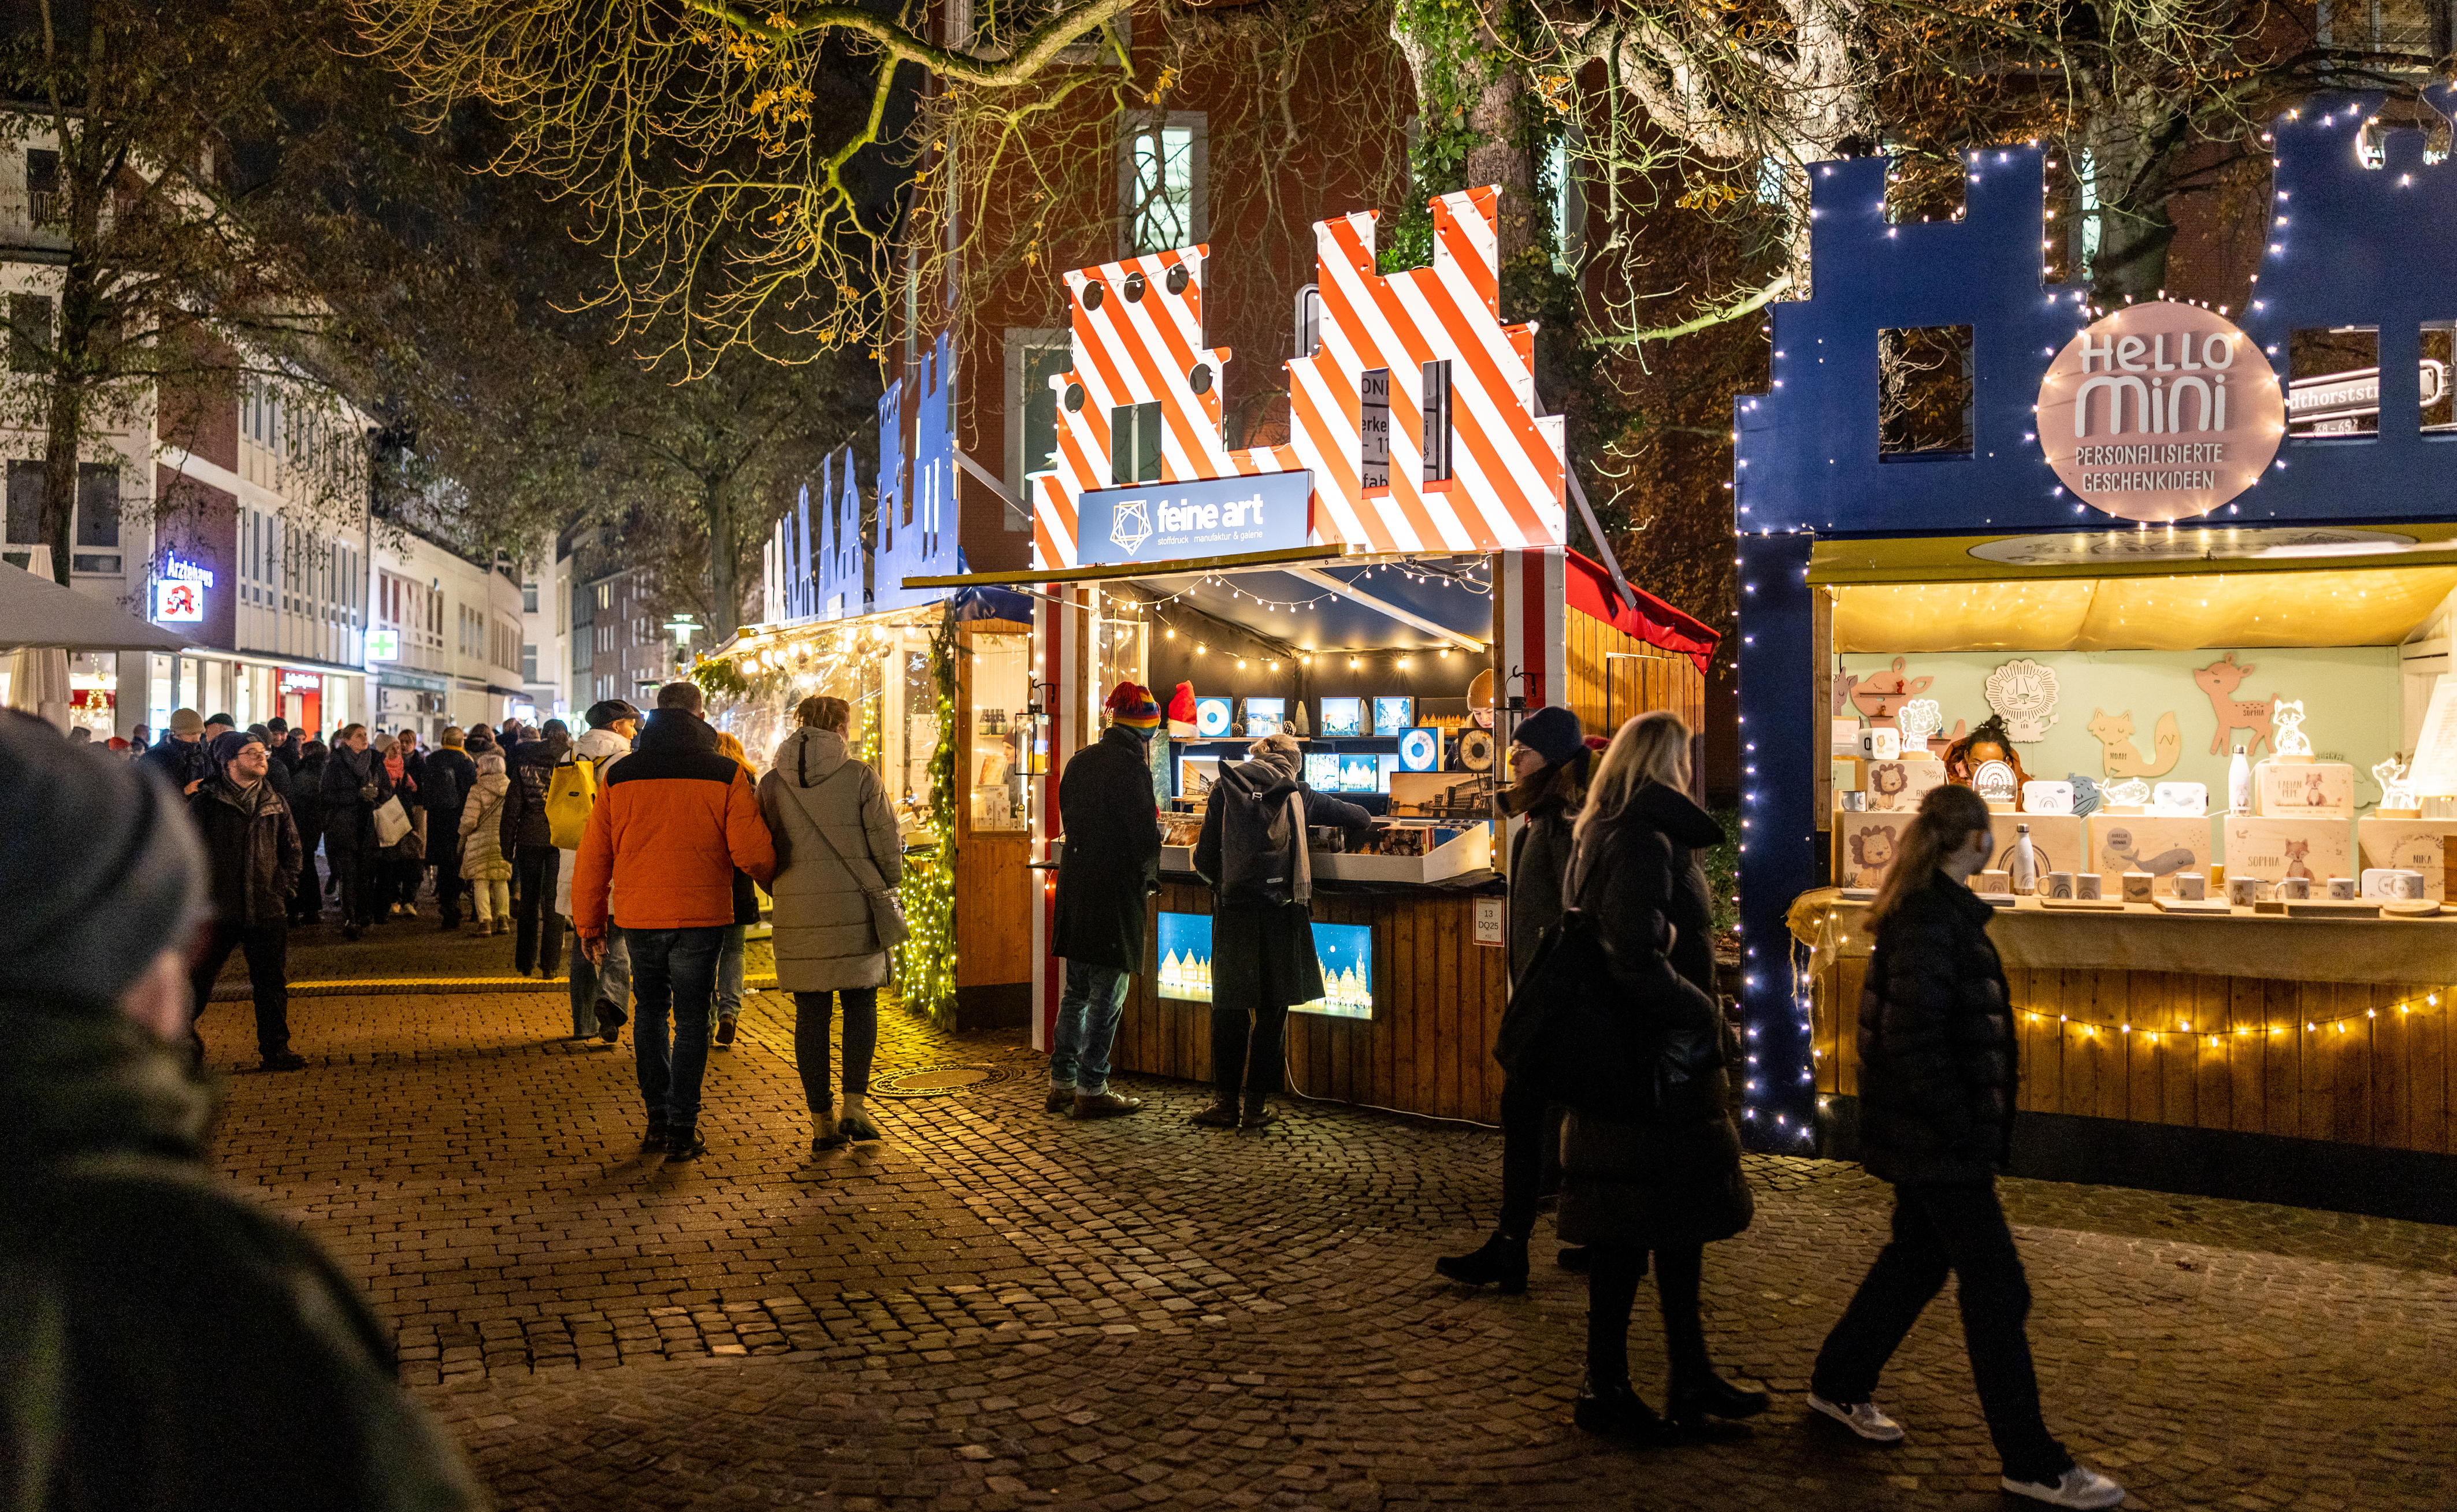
1373 427
1436 416
30 332
1161 184
1924 393
2333 383
2438 368
1034 358
26 502
1924 186
1134 443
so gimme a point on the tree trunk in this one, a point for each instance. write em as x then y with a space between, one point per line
1501 156
65 416
2130 157
725 598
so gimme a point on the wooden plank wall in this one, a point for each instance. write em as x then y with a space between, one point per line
1429 1047
994 894
1658 679
2387 1078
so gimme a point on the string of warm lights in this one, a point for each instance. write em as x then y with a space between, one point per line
925 963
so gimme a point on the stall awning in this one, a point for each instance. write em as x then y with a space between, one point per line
1592 592
37 611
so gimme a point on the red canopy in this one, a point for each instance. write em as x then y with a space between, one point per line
1590 589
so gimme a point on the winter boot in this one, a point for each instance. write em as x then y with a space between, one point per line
1503 1262
1258 1111
856 1123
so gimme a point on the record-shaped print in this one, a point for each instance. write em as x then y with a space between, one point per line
1211 717
1420 751
1476 749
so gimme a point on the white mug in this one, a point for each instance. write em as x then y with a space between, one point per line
2295 887
2085 885
2192 886
2245 891
2343 888
2409 885
2060 884
1993 882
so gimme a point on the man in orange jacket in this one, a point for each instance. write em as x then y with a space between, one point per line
674 819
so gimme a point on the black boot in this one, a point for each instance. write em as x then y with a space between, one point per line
1258 1111
1618 1412
1696 1398
1501 1262
1221 1114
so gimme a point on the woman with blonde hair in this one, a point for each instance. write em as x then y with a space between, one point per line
837 847
1655 1170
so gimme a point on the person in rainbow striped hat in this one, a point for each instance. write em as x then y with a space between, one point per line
1109 864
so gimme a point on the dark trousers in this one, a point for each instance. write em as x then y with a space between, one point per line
307 903
1530 1155
672 970
1958 1229
1613 1273
402 879
444 844
1246 1050
537 940
812 1011
267 948
353 881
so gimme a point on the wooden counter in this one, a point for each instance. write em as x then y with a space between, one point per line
2261 1030
1437 1002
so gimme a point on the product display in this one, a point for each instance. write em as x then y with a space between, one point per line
1393 715
1343 718
1211 719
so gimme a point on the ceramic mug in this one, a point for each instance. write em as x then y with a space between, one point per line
2059 885
2295 887
1993 882
2085 885
2409 885
2245 890
2137 885
2343 888
2192 886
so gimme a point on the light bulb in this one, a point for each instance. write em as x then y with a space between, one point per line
1241 663
1170 635
1354 664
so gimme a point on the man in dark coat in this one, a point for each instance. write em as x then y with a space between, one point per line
354 784
1111 862
252 859
528 840
307 810
179 757
447 782
166 1343
1262 959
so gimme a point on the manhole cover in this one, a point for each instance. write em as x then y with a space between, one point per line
938 1080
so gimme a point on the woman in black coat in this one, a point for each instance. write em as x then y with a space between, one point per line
1549 761
354 786
1657 1170
1937 1081
307 808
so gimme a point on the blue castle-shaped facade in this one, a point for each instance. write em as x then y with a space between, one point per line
2362 233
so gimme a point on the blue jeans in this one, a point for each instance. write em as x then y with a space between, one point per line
729 974
673 969
609 982
1088 1012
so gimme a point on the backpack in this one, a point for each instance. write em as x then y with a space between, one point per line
1258 841
570 793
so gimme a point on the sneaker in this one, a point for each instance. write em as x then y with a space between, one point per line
857 1127
1061 1100
2080 1486
1860 1417
611 1020
725 1035
684 1144
409 910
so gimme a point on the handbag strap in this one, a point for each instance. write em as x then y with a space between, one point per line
1303 892
823 829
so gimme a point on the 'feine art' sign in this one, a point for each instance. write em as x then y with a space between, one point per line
2160 412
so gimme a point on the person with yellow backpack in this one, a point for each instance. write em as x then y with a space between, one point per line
600 993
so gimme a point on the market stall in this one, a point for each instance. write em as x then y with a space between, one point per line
1389 586
2174 593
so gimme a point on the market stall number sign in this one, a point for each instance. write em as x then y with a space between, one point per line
1165 522
1344 951
1488 921
2160 412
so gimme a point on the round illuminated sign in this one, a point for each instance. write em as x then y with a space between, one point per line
2160 412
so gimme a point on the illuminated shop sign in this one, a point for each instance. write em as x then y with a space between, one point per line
182 569
179 603
302 682
2160 412
1161 522
1345 952
383 645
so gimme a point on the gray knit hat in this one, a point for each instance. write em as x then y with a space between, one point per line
102 869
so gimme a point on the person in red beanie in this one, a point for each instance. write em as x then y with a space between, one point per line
1109 865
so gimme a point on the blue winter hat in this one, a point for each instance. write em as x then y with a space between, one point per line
1552 733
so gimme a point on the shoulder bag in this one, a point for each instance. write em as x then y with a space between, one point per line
886 914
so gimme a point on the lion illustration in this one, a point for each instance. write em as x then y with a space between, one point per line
1886 782
1872 851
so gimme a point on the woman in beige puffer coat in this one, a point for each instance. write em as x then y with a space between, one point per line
484 865
835 843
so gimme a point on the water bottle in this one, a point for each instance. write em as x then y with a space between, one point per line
2239 783
2026 864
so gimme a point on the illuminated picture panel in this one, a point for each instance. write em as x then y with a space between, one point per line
1345 951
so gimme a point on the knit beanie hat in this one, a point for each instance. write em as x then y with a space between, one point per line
1130 704
1552 733
187 721
102 869
227 746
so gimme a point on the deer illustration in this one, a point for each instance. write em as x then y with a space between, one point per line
2219 679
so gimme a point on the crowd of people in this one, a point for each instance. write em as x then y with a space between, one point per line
646 836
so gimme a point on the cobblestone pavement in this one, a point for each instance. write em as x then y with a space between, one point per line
996 1308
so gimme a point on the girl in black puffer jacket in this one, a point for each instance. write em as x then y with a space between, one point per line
1937 1081
1656 1170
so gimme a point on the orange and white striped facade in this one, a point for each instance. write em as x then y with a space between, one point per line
1137 327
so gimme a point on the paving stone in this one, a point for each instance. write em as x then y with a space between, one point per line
993 1307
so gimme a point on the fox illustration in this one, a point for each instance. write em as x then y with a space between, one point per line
2115 734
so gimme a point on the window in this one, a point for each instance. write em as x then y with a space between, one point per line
529 662
1436 394
42 185
2086 217
1373 427
97 506
1134 443
1033 360
30 332
1924 393
529 598
1161 184
2439 366
1305 322
26 502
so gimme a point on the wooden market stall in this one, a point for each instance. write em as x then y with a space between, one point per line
2177 599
